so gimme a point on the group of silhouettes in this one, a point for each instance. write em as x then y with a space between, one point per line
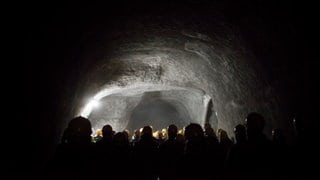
198 153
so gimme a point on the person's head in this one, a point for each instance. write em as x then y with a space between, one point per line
160 135
172 131
255 124
240 133
218 131
107 131
146 132
99 132
126 132
79 130
193 131
223 135
137 133
209 132
165 133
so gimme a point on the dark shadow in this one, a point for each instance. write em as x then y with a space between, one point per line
157 112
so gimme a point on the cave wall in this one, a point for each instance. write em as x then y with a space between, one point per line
157 53
247 56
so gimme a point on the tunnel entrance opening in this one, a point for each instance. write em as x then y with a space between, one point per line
156 105
159 113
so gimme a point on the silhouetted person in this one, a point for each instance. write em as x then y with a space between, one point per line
136 137
238 154
105 142
194 148
98 136
225 144
165 133
75 155
210 136
240 134
180 141
213 150
121 154
171 153
127 133
104 149
145 152
259 147
160 138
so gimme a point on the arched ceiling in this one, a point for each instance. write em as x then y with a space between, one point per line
155 57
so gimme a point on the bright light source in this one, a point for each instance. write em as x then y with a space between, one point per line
94 103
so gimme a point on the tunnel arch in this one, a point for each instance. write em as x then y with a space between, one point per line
168 54
117 104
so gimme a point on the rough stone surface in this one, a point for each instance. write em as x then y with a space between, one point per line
171 57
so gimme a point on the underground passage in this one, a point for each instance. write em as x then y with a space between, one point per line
131 65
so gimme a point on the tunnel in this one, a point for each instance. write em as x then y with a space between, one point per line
131 64
177 62
156 106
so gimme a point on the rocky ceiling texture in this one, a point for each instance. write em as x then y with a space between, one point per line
187 66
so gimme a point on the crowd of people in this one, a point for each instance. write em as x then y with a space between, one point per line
195 153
